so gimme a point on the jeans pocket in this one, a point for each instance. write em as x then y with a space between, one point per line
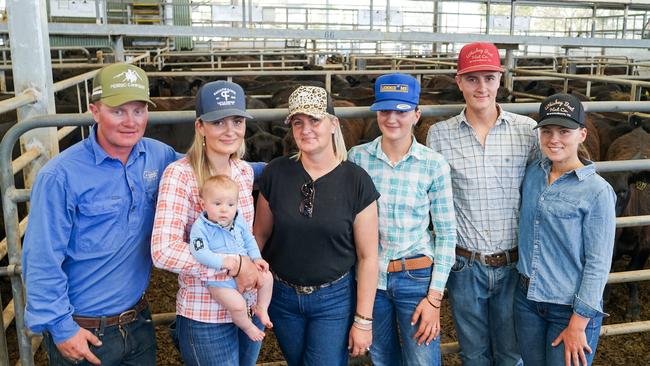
460 264
423 274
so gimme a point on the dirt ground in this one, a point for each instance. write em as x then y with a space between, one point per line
621 350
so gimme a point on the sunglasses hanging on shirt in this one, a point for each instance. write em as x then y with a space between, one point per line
308 192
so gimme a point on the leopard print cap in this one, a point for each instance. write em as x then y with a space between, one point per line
310 100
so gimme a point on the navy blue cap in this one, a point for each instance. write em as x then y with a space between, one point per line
218 99
563 110
396 92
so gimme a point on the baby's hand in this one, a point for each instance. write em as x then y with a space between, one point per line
261 264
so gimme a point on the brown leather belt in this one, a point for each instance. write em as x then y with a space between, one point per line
493 260
126 317
399 265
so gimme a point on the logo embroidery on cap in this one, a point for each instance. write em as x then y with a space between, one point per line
130 79
398 88
559 107
225 96
479 54
403 106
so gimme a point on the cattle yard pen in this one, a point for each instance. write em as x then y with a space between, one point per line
12 196
28 342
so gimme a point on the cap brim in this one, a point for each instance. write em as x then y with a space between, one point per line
310 112
480 68
118 100
393 105
559 121
217 115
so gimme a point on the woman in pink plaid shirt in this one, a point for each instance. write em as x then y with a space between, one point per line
206 333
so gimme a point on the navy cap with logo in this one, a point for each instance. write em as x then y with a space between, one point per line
562 110
219 99
396 92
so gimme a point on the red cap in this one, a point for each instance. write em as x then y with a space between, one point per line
479 56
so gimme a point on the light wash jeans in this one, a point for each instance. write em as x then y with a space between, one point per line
392 332
215 344
538 324
481 300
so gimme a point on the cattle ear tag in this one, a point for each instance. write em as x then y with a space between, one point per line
641 185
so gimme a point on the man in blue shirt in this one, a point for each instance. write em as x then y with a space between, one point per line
86 254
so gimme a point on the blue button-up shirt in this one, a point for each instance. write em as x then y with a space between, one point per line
415 187
566 237
86 248
208 240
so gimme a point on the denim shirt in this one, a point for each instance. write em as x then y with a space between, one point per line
566 237
209 240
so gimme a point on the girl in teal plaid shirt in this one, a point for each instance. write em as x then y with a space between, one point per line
415 183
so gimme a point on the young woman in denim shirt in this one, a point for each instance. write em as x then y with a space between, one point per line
566 237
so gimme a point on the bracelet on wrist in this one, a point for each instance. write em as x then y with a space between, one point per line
366 328
362 317
362 321
435 298
239 267
432 304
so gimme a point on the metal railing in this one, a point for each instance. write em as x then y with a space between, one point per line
12 196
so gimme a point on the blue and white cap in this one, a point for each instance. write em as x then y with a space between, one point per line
396 92
218 99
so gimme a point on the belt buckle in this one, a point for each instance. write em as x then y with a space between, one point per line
127 317
494 258
305 290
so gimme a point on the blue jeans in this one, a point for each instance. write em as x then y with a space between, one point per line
539 323
481 299
313 329
392 332
218 344
133 345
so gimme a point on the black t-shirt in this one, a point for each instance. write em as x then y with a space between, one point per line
312 251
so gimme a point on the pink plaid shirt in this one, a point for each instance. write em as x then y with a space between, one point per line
178 206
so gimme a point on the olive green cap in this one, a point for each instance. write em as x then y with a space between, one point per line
120 83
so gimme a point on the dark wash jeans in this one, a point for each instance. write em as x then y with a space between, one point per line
312 329
132 344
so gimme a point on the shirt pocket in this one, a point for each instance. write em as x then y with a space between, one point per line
98 224
562 206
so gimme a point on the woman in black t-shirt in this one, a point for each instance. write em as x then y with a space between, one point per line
316 218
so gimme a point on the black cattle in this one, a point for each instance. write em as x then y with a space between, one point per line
633 199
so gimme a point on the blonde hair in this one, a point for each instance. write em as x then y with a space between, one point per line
340 151
198 159
221 181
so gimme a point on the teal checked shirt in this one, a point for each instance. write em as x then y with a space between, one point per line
415 187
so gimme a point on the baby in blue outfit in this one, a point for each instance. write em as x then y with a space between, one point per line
219 230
